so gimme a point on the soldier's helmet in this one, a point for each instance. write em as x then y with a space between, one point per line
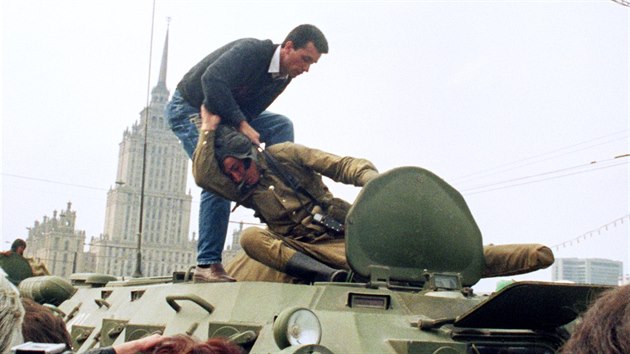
229 142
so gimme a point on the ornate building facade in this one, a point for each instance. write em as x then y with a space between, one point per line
153 182
55 242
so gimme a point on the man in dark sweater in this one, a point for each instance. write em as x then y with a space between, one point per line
238 82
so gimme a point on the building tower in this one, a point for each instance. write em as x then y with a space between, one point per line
166 206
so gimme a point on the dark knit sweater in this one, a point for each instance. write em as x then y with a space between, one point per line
233 81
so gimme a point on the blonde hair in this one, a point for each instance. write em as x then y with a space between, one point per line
11 316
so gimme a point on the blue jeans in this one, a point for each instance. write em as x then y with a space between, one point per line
214 211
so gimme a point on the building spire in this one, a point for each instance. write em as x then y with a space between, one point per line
162 80
160 93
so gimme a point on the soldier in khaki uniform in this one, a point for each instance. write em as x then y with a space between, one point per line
293 242
295 247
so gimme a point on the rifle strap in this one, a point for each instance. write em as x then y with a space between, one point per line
297 188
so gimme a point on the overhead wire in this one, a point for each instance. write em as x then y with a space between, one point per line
482 188
52 181
36 179
546 155
534 178
622 2
469 189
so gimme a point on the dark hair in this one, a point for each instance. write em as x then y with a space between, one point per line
41 325
17 244
184 344
605 326
302 34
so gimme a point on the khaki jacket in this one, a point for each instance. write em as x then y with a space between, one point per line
284 211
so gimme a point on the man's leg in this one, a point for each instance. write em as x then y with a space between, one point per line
213 210
263 246
178 113
273 128
244 268
214 215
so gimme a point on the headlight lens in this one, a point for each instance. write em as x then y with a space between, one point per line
297 326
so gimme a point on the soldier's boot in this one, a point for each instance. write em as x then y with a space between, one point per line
304 267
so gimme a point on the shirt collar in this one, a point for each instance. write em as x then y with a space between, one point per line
274 65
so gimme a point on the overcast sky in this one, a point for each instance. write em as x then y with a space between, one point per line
520 105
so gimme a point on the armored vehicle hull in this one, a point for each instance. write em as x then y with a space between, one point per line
415 253
526 317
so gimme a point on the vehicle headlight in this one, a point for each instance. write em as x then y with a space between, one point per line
306 349
296 326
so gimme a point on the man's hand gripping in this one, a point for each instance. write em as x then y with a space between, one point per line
210 121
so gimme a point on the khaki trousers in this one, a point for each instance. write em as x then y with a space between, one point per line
274 250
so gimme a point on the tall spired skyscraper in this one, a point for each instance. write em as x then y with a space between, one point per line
166 204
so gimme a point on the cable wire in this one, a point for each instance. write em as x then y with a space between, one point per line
536 158
488 187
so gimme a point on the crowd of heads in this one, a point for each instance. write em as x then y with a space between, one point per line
24 320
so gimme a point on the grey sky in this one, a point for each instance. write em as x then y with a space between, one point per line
479 92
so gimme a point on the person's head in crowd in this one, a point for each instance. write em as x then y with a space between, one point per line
11 316
186 344
605 326
18 246
180 344
41 325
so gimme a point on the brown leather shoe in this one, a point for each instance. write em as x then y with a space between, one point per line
213 274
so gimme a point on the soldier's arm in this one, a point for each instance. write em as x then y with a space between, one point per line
348 170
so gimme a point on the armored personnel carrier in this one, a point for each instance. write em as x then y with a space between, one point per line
415 253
